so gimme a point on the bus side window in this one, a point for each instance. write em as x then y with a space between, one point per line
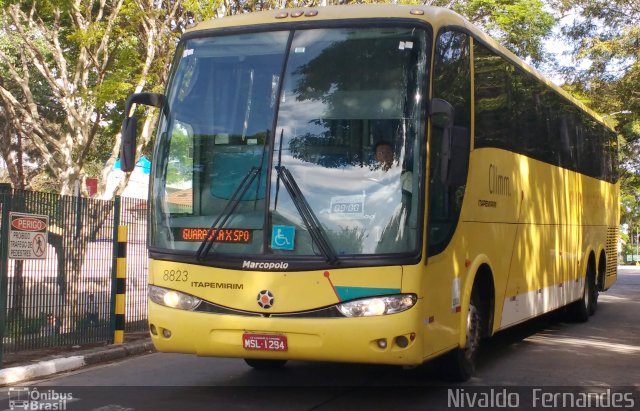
449 145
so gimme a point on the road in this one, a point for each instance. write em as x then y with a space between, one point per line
546 352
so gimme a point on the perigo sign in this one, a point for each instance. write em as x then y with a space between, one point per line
29 224
28 236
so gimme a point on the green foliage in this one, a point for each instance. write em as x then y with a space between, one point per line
520 25
104 51
201 10
605 36
44 183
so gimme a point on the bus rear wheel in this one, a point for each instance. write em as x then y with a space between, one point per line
459 365
580 310
265 364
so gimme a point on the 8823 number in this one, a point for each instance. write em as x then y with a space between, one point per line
175 275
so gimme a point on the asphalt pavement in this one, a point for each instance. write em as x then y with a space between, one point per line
68 361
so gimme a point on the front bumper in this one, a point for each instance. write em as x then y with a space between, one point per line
314 339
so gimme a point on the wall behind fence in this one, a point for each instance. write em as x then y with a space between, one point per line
65 299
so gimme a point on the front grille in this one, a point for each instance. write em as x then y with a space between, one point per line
325 312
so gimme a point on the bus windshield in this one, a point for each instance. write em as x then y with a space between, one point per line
304 143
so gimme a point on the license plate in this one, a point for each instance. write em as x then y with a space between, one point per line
264 342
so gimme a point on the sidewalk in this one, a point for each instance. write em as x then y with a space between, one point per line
20 367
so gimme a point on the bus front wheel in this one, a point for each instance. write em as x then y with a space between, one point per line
459 364
265 364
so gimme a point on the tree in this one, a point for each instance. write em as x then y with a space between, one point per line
156 26
606 54
11 149
521 25
64 51
66 69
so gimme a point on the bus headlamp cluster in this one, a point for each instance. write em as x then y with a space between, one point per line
368 307
173 298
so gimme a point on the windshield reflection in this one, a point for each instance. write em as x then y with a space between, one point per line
333 115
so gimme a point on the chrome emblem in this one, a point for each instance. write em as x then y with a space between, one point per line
265 299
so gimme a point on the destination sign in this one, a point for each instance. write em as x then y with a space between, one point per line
223 235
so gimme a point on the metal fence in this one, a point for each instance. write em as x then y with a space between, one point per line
67 298
133 214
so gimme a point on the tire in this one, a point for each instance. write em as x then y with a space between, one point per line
593 307
265 364
460 364
580 310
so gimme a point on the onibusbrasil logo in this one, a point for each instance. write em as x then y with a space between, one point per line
25 398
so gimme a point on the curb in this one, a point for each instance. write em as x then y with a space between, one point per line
44 368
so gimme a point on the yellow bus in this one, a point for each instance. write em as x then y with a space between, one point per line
374 184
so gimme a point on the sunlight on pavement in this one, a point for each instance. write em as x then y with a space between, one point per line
580 342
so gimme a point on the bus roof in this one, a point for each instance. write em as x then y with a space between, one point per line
437 16
359 11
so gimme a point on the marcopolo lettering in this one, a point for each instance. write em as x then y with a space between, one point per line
280 265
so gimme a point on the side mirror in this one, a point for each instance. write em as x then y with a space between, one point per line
446 110
130 127
440 106
128 144
454 150
459 164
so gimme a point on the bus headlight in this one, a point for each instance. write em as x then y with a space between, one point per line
388 304
172 298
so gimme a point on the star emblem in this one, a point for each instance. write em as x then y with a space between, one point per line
265 299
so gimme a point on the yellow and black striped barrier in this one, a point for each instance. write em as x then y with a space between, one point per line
121 284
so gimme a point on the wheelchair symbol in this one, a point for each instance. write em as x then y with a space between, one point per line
282 237
280 240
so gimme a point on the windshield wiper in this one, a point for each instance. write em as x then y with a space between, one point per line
226 213
308 217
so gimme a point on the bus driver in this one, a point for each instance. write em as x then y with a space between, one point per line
384 155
